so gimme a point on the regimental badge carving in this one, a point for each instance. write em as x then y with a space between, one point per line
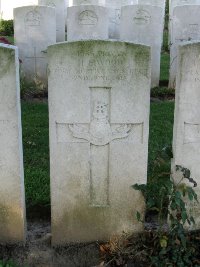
142 17
100 132
88 17
33 18
51 4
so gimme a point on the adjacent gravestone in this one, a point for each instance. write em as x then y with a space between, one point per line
186 139
59 5
99 120
88 2
184 28
143 24
87 22
114 8
34 31
12 203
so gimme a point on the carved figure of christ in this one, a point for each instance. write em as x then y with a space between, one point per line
99 133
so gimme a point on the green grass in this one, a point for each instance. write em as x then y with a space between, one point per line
165 61
36 153
161 129
36 145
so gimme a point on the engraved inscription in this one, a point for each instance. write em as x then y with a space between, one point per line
191 133
88 17
84 2
193 31
142 17
33 18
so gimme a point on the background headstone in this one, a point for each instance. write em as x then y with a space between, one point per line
59 5
185 27
186 139
99 94
88 2
143 24
34 31
114 9
87 22
12 202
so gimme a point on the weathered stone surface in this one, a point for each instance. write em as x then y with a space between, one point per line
184 28
143 24
99 120
88 2
87 22
174 3
35 29
12 204
6 7
114 9
186 140
59 5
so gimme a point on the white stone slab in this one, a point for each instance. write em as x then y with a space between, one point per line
12 203
184 28
87 22
59 5
114 8
143 24
88 2
35 30
99 120
186 140
7 6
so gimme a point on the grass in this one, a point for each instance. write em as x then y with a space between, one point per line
36 145
36 153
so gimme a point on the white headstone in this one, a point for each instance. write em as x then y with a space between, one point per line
174 3
184 28
87 22
186 140
114 7
35 30
88 2
12 203
7 6
99 121
59 5
143 24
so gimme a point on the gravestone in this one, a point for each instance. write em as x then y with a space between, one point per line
184 28
143 24
99 119
172 5
59 5
114 9
34 31
88 2
186 139
87 22
12 202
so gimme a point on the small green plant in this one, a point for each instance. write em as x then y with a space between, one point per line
171 246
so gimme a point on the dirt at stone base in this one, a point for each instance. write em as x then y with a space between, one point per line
38 251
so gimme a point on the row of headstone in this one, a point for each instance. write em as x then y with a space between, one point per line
37 27
98 137
183 26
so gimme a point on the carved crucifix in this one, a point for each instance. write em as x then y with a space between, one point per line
35 58
99 133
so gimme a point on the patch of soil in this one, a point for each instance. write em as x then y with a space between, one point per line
38 251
